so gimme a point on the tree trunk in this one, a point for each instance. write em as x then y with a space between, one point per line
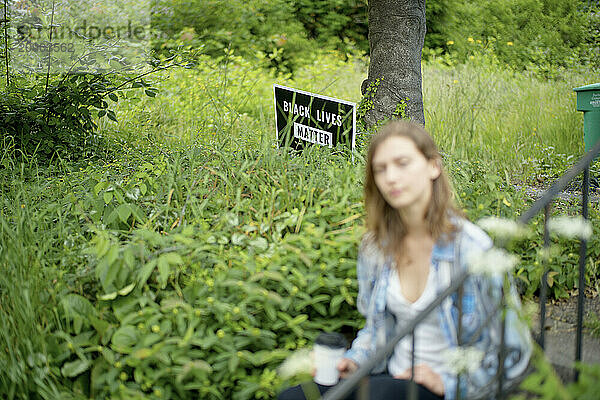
396 36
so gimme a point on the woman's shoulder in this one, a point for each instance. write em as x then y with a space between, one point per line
470 234
370 251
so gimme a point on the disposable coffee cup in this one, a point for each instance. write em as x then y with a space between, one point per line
328 351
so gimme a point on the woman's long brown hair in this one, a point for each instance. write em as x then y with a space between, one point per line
384 223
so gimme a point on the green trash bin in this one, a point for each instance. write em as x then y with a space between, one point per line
588 101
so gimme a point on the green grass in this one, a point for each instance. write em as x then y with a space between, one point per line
509 120
478 111
592 322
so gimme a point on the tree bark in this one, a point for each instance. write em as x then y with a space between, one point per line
396 35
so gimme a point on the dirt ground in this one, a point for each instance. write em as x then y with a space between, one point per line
560 333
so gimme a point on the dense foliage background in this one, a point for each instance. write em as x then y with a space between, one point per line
542 34
154 242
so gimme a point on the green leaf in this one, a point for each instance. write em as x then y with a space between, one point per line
76 305
108 268
113 97
126 307
108 355
149 340
77 324
163 271
102 245
119 196
248 392
108 296
142 353
298 320
320 309
111 115
335 304
298 331
124 339
233 362
111 215
126 290
196 365
145 272
238 239
274 275
108 196
173 258
259 243
349 299
270 311
128 258
74 368
112 254
138 212
124 212
99 325
100 186
251 357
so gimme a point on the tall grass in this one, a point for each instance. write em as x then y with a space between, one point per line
26 298
477 111
481 112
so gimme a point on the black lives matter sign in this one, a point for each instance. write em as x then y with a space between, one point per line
303 119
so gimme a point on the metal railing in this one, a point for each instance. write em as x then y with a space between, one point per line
360 377
544 202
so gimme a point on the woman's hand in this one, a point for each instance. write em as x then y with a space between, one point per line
425 376
346 367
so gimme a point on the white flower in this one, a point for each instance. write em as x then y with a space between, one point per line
459 360
570 227
491 262
300 362
501 227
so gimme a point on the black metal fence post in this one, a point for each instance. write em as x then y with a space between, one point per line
363 389
412 390
544 282
582 260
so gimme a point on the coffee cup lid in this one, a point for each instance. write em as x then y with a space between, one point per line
331 339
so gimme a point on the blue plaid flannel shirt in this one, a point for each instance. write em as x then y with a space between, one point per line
480 296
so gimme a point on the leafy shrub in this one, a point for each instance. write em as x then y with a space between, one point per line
544 382
533 34
278 27
60 120
590 52
482 193
539 35
246 27
210 308
439 14
341 24
218 336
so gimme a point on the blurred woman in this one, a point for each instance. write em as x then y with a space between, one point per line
416 241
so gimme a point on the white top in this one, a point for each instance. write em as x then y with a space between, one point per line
429 338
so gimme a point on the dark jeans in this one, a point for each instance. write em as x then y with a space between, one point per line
381 387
